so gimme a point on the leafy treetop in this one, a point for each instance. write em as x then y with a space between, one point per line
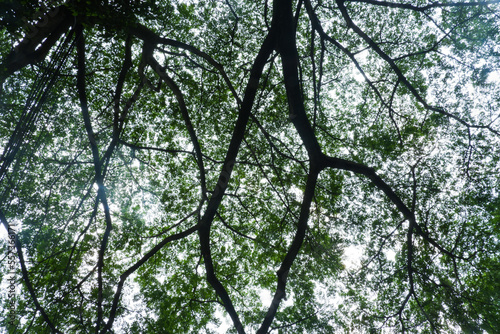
170 164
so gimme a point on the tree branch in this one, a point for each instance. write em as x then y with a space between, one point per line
234 146
294 249
101 193
283 21
148 53
426 7
132 269
400 74
25 274
36 44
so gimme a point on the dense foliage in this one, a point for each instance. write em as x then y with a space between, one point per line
310 166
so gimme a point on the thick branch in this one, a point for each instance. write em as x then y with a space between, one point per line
37 43
97 166
234 146
283 18
284 21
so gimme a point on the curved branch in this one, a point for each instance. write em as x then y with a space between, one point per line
358 168
137 265
234 146
25 274
294 249
149 37
400 74
426 7
101 193
148 52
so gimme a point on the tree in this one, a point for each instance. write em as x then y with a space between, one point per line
167 162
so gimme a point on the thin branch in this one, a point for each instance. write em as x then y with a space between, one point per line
149 37
400 74
233 229
175 225
316 25
148 54
293 323
426 7
358 168
25 273
137 265
293 251
146 148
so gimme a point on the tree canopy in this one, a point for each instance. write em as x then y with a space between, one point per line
308 166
